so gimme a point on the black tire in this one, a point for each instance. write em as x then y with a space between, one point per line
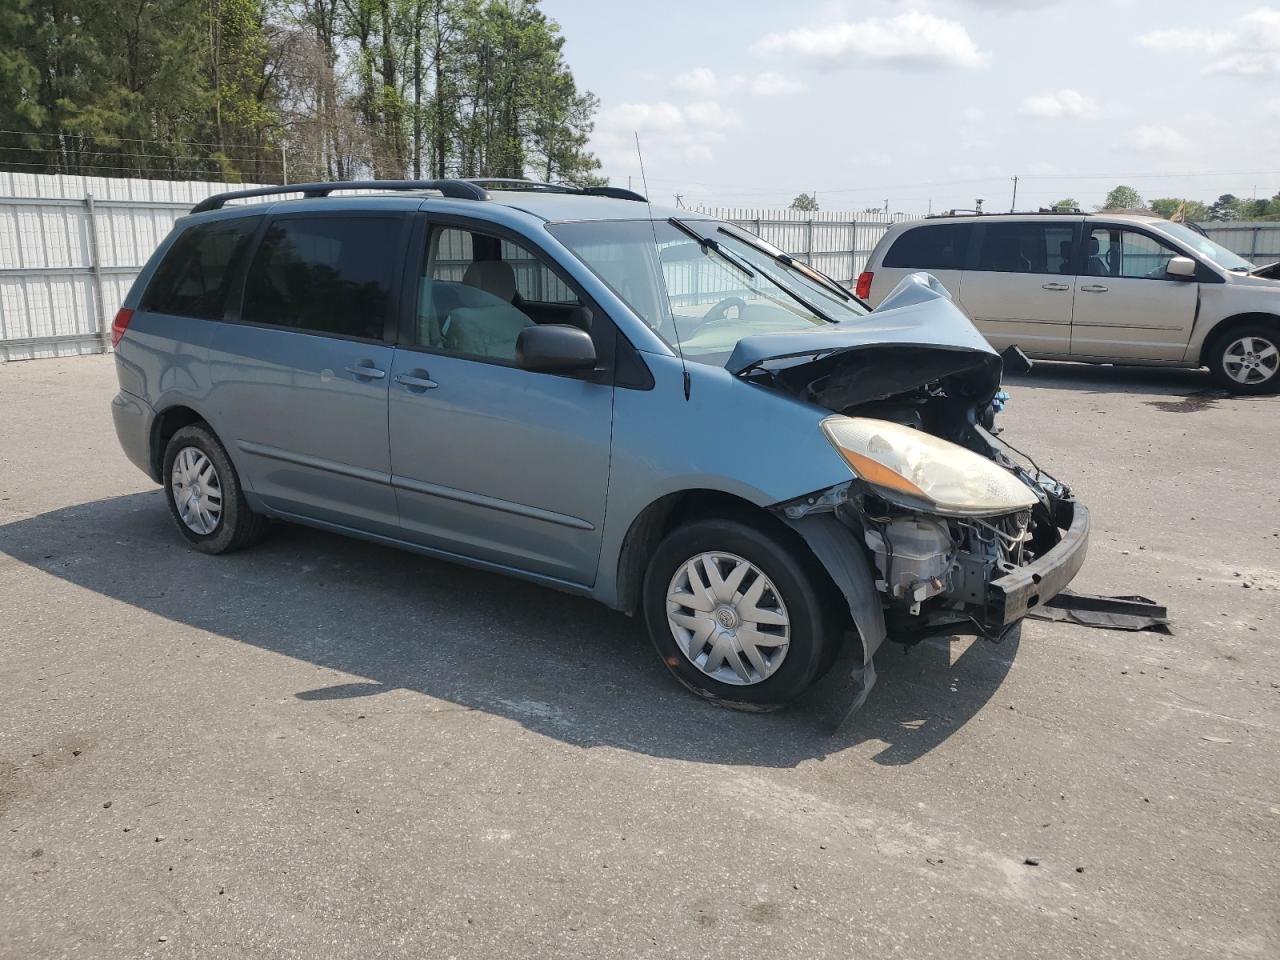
1217 357
815 624
237 526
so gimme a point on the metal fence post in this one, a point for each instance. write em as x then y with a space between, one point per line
808 256
95 265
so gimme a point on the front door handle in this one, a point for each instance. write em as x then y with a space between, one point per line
1093 288
365 368
1055 286
416 380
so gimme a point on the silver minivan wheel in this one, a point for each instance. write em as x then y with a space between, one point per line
197 490
728 618
1251 360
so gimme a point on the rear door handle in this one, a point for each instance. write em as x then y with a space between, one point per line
366 369
1093 288
415 382
1055 286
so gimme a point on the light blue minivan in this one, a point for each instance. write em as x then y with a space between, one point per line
641 405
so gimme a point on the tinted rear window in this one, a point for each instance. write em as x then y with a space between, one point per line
325 275
940 246
194 277
1028 247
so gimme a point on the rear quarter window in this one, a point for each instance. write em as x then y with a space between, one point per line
942 246
195 275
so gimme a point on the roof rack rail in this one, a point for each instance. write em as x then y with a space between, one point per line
1045 211
455 189
512 183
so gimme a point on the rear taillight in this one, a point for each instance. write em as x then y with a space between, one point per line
863 289
120 324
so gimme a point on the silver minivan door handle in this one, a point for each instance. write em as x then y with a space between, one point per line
1055 286
368 370
415 382
1093 288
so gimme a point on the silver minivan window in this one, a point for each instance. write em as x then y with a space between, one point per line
700 293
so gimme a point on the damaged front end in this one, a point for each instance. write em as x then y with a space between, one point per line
962 533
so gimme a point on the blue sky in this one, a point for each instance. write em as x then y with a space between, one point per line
933 102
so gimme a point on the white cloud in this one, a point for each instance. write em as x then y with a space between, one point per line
685 134
703 82
700 81
1159 140
1064 103
1249 47
910 39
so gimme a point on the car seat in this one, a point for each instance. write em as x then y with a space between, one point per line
1097 266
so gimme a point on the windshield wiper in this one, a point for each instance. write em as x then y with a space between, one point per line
708 244
808 271
713 244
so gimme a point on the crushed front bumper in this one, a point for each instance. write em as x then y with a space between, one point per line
1010 597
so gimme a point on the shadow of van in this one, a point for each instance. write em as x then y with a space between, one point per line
562 666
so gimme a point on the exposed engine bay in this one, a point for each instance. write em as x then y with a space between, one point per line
962 541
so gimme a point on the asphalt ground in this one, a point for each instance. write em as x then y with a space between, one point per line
323 748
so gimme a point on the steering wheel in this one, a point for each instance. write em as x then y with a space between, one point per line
718 311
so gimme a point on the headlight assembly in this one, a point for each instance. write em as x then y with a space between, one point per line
920 470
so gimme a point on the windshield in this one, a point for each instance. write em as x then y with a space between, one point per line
701 289
1206 247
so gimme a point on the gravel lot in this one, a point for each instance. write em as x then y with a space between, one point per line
322 748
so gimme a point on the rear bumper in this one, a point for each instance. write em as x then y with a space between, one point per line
133 418
1011 596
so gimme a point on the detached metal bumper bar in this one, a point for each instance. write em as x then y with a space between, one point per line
1011 596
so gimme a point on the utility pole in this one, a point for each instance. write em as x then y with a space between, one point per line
1013 206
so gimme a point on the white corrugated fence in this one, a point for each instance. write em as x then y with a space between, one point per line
69 249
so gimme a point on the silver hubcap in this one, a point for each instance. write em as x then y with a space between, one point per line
1251 360
728 618
197 490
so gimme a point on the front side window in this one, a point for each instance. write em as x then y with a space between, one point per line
1114 252
940 246
195 276
700 288
476 292
1027 247
329 275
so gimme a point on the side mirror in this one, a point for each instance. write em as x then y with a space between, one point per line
555 348
1183 267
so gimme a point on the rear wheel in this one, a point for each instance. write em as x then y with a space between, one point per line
204 493
1246 359
737 615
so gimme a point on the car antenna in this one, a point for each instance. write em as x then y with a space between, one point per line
675 329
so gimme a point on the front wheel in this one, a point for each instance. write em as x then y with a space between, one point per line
737 615
1246 359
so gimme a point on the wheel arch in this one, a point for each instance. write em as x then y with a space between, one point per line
1227 324
672 510
168 422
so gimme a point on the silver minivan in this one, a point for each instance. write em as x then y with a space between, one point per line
1101 288
645 406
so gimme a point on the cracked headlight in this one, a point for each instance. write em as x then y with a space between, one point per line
919 470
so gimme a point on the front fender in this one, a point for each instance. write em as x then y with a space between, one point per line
846 563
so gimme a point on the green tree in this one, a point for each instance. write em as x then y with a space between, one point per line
1071 203
1226 207
806 202
1122 198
